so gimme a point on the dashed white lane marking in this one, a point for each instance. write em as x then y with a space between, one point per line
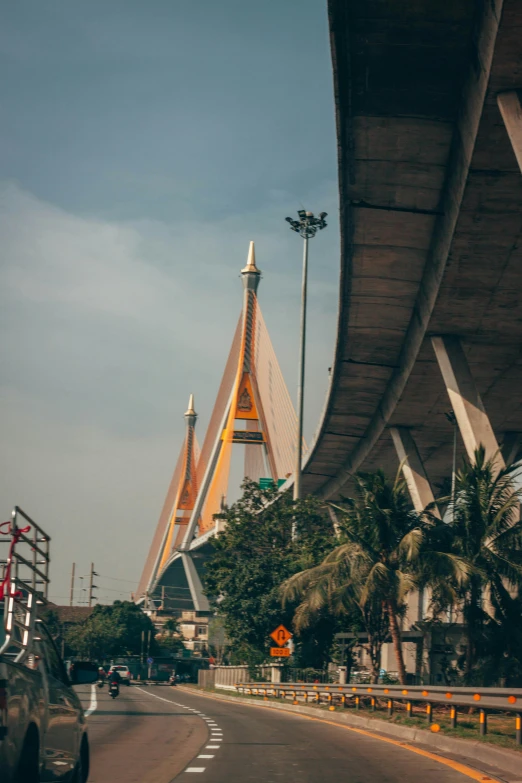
216 733
93 704
205 756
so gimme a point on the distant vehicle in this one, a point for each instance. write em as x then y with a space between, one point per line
123 671
43 734
114 689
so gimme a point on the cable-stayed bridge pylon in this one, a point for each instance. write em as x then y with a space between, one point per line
253 410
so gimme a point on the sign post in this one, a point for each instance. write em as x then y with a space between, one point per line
281 637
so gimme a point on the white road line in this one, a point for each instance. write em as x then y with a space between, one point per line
212 747
195 769
205 756
94 702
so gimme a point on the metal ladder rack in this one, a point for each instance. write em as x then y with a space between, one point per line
27 568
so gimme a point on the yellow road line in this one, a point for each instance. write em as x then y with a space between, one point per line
474 774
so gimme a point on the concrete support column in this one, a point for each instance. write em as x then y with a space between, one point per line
472 419
511 447
418 483
510 107
421 495
275 674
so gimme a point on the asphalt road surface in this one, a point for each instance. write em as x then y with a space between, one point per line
161 734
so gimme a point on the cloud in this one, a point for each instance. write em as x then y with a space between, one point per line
107 326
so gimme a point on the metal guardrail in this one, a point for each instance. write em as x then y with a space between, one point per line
484 699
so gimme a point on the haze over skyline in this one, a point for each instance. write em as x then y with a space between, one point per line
143 146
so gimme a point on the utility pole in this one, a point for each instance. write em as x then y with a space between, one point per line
307 226
71 597
92 586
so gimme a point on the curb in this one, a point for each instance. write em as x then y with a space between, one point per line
504 759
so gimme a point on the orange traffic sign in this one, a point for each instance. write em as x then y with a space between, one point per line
281 635
280 652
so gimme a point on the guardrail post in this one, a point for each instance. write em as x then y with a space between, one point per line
390 708
453 717
408 709
295 698
343 700
357 702
429 712
518 726
372 704
483 722
305 695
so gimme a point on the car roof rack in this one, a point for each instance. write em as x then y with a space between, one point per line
24 577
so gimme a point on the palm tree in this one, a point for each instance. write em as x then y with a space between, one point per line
330 588
378 563
485 531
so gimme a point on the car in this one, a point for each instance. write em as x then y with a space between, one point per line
123 671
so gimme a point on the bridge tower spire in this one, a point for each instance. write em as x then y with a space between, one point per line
252 409
258 412
178 504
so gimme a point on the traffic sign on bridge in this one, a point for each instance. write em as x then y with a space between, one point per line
281 635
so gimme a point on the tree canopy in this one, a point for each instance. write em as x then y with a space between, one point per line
253 556
111 630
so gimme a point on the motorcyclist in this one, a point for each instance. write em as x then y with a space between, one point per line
114 676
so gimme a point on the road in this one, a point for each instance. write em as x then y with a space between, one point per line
158 734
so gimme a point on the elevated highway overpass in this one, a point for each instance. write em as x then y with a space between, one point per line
431 218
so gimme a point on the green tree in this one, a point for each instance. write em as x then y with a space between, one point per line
384 554
97 638
171 627
252 557
170 641
485 531
111 630
330 588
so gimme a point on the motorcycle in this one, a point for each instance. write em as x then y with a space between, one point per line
114 689
173 680
100 683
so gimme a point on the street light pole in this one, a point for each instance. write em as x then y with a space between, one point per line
301 375
307 226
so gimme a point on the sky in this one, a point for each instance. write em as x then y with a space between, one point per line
142 147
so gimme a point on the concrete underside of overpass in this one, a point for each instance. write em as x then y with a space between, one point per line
431 217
